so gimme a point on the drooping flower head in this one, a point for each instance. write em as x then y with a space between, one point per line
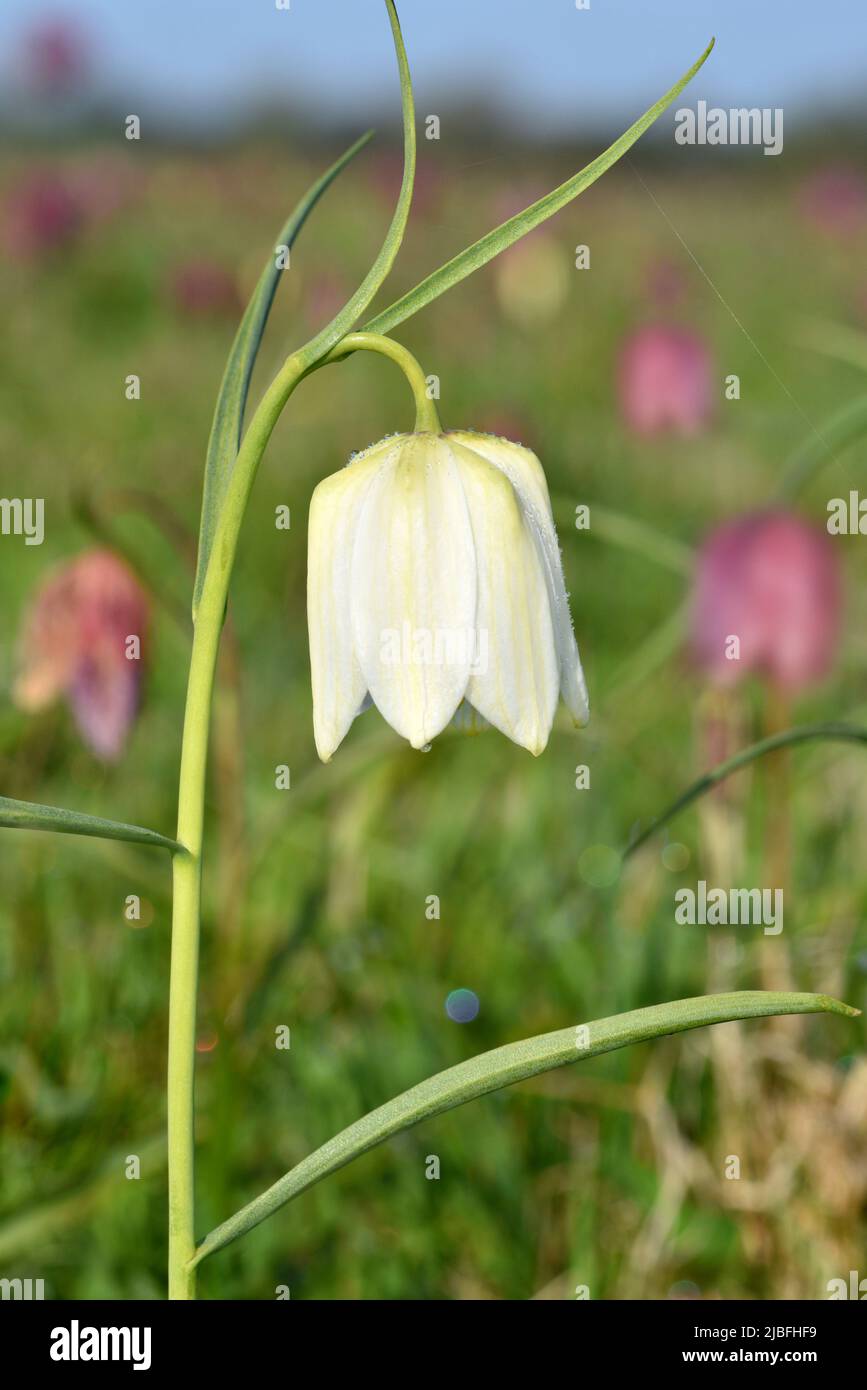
435 581
76 644
771 580
665 381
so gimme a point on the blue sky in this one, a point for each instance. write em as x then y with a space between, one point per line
543 63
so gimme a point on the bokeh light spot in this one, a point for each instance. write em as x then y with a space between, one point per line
599 866
684 1288
462 1006
675 857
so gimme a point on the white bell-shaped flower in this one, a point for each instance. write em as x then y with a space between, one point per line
434 578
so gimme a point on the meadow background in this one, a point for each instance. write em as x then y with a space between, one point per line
610 1173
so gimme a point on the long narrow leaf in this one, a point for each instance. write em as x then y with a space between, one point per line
820 447
839 733
629 533
477 255
320 346
312 355
29 815
232 399
502 1067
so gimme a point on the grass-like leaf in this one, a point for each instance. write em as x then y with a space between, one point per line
836 340
627 532
223 506
502 1067
228 419
29 815
805 733
821 446
319 347
477 255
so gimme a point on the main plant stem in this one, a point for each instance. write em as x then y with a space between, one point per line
187 876
187 870
186 887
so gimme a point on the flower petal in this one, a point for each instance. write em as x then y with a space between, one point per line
104 698
414 589
515 681
527 476
338 686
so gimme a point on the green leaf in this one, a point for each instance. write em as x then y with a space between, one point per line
24 1232
821 446
805 733
502 1067
657 648
836 340
228 419
299 364
509 232
319 347
628 532
29 815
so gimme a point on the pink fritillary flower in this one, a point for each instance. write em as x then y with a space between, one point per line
76 644
43 214
56 55
772 581
665 381
834 201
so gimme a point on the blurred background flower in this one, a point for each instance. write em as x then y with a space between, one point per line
665 381
772 581
43 214
834 201
75 644
532 281
55 54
